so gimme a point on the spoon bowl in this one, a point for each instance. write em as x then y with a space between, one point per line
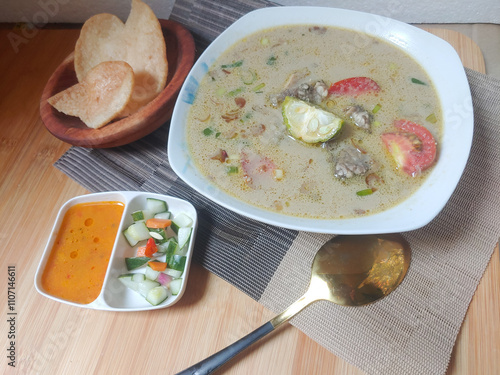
361 269
347 270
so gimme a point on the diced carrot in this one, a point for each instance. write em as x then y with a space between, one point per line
150 248
158 223
141 251
158 266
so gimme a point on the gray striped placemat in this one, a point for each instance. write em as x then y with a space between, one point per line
414 329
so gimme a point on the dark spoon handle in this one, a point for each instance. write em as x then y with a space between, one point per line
216 360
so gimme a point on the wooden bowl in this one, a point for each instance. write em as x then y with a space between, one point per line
180 56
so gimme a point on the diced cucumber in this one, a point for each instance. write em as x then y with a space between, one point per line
146 285
173 243
151 274
175 286
156 205
172 248
136 262
183 236
177 262
136 232
126 276
142 215
138 277
131 241
169 247
162 247
183 251
137 215
174 273
166 215
127 280
181 221
157 295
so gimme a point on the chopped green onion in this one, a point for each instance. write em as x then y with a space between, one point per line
208 131
235 92
431 118
232 65
232 170
220 91
271 60
258 87
246 117
376 108
365 192
376 123
418 82
264 41
248 76
217 134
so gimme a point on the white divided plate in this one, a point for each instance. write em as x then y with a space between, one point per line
114 295
435 55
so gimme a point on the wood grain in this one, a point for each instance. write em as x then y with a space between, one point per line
469 52
54 338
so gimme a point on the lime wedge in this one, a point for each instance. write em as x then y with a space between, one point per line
309 123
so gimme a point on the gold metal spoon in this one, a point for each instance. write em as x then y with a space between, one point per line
347 270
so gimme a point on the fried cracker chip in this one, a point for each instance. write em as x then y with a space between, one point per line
100 96
139 42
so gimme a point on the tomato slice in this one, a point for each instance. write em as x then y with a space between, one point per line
354 86
258 171
150 248
413 147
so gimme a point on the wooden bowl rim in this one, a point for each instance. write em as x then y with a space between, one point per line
133 127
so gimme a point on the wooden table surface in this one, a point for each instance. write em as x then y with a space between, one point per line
54 338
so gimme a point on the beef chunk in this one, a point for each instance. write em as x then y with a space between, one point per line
352 162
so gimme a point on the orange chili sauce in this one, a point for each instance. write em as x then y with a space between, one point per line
79 259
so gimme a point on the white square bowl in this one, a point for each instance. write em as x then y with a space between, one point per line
437 57
114 295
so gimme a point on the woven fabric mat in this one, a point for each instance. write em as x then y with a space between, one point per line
414 329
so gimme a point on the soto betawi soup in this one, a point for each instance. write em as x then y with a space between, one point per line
310 122
79 258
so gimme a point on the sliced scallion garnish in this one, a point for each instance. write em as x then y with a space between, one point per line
220 91
248 76
208 131
258 87
232 65
418 82
235 92
365 192
271 60
230 170
431 118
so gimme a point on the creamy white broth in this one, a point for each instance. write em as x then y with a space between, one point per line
306 185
